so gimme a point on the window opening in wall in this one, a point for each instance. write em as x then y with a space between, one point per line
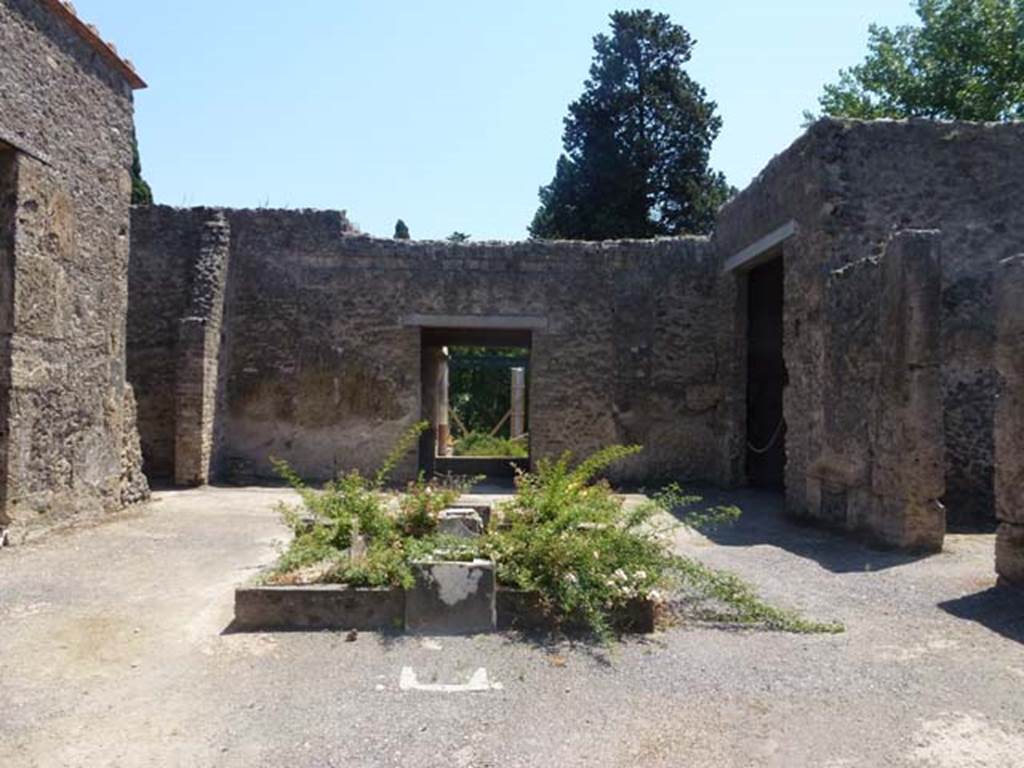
766 376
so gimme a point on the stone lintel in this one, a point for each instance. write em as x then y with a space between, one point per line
762 250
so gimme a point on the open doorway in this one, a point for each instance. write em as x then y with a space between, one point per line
476 400
766 376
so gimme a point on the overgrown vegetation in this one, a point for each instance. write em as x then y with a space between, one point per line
481 444
355 532
142 194
480 390
565 536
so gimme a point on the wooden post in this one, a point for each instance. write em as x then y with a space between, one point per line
518 402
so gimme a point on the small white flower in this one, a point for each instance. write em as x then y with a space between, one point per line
640 575
571 578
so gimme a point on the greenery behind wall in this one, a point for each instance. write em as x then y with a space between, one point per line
636 143
964 62
480 387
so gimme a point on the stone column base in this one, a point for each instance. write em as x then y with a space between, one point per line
1010 554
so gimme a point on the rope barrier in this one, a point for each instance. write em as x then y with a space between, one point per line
771 443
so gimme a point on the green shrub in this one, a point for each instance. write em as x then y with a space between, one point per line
353 531
565 535
480 444
588 554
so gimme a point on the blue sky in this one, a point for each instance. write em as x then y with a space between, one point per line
448 113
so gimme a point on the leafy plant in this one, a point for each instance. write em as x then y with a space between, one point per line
423 502
565 535
589 555
480 444
964 62
350 530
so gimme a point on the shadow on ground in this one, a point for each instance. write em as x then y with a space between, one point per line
999 609
764 522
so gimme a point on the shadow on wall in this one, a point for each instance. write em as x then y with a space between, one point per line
999 609
764 522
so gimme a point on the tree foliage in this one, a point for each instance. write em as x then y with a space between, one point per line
636 143
965 61
401 230
458 237
142 194
480 385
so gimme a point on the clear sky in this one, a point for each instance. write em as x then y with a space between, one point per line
446 113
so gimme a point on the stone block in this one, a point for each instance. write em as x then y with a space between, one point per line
1010 554
522 610
452 598
318 606
483 510
462 523
1009 421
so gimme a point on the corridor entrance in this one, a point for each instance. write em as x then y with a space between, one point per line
766 377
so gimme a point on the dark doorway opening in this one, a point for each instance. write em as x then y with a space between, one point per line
475 398
766 376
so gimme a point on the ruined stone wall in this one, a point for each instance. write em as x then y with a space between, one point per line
164 253
322 363
1009 437
849 186
69 116
967 181
8 210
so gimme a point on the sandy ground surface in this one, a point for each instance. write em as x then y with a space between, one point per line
113 652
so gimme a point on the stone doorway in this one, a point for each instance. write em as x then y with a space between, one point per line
766 376
492 365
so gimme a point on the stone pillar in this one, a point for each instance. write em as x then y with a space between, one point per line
518 402
430 375
441 418
199 346
1009 421
908 472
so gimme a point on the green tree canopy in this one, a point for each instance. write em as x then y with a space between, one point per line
141 192
458 237
401 230
636 143
965 61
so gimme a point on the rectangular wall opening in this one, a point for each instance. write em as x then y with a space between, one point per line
476 400
766 376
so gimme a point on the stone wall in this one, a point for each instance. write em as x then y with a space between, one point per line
68 115
8 211
848 186
880 470
1009 437
198 375
322 352
164 254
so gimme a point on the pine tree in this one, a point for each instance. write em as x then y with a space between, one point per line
636 143
401 230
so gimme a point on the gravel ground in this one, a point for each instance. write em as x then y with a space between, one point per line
113 652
